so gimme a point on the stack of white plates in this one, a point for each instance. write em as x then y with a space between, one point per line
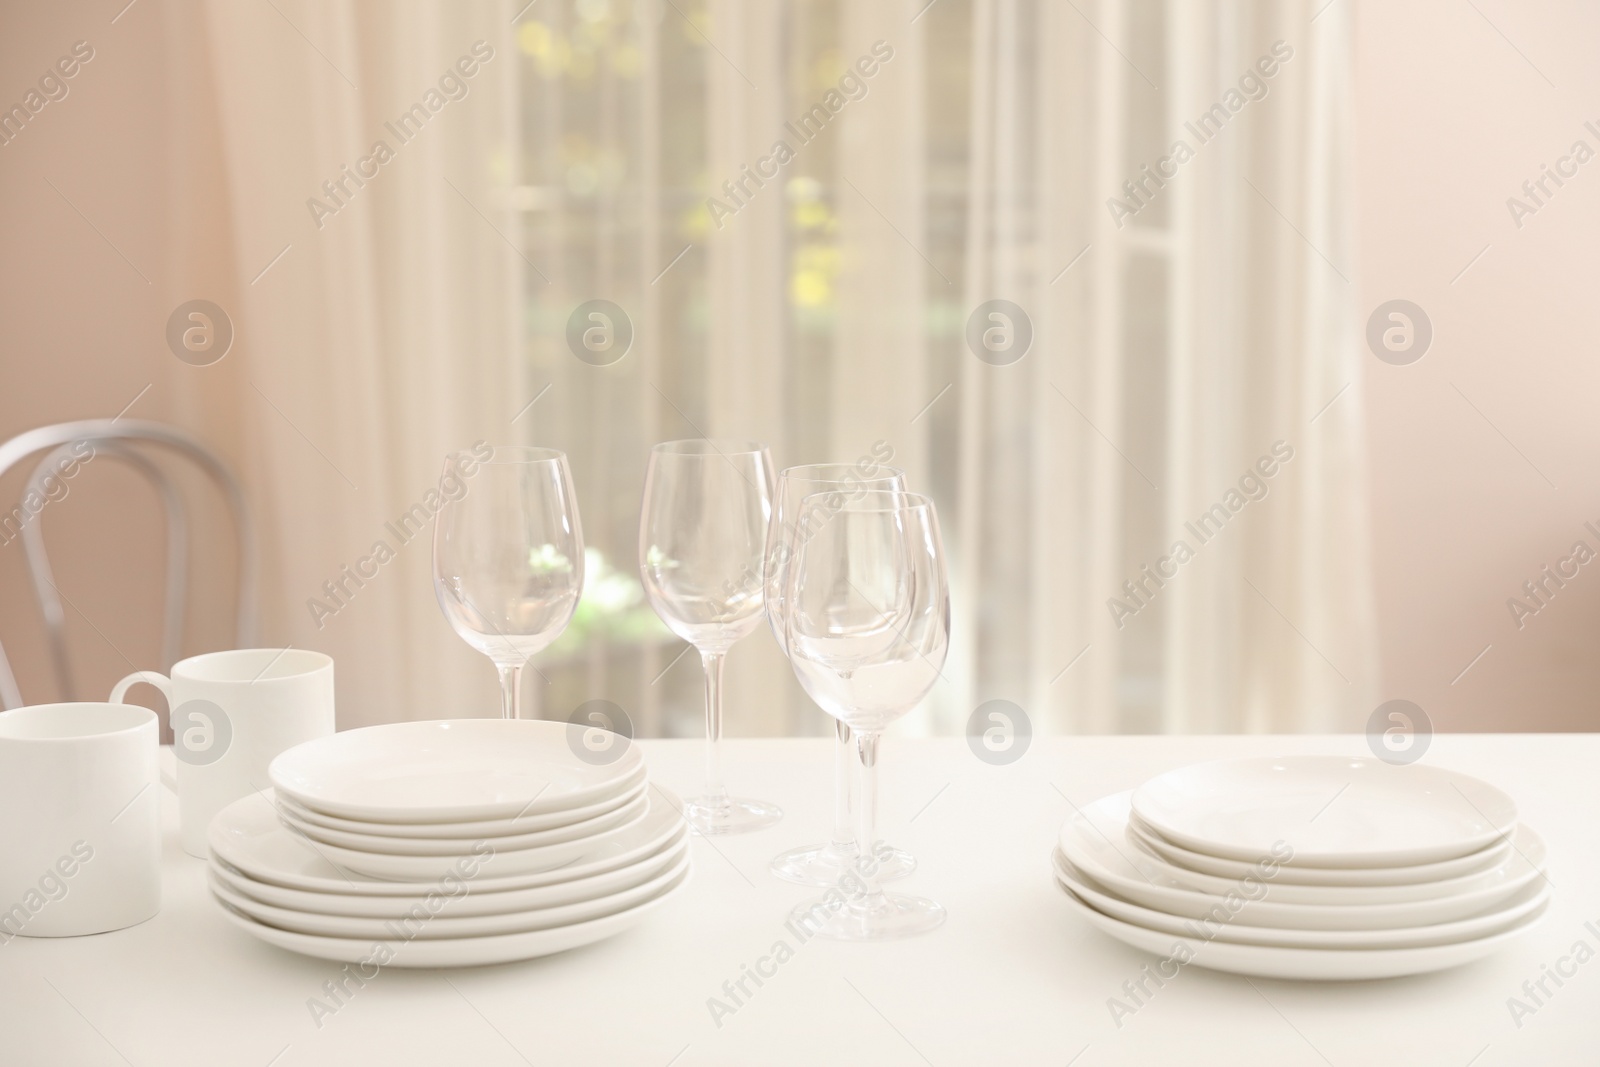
448 844
1310 867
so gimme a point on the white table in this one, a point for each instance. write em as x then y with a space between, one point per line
1012 977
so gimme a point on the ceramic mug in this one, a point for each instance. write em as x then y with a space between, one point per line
232 713
80 819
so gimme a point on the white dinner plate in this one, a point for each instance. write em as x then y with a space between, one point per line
474 902
1288 893
447 846
505 861
1334 811
1094 840
248 835
442 922
453 952
1472 863
632 786
449 770
1308 964
1502 917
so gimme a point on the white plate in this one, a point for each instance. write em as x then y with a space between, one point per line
1287 893
1094 840
247 835
453 952
450 770
442 922
632 786
1309 964
507 861
1333 811
1493 921
1473 863
446 846
475 902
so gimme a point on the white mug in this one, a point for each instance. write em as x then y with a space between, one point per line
232 712
80 819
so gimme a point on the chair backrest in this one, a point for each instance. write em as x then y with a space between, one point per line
114 437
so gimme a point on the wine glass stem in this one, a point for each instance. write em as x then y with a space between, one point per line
867 813
716 792
510 691
844 758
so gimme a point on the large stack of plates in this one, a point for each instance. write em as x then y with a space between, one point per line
448 844
1310 867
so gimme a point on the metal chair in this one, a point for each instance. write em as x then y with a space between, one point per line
113 438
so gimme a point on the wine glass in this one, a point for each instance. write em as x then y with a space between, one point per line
508 555
824 864
702 529
867 621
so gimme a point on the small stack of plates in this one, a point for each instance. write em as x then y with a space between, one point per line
1309 867
449 844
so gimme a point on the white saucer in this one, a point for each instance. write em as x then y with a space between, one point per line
449 770
453 952
1334 811
1290 893
442 922
1493 921
248 835
1310 964
1472 863
1095 842
632 786
447 846
475 902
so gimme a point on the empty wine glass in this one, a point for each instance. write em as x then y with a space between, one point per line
867 620
508 555
702 531
824 864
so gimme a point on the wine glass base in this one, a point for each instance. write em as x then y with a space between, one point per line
729 815
827 865
885 916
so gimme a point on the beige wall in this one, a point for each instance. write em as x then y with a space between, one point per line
1451 122
84 300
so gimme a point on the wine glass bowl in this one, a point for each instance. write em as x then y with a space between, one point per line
508 555
702 530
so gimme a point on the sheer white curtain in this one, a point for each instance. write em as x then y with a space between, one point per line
1170 353
1173 351
386 335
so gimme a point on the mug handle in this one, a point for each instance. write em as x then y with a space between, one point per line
161 682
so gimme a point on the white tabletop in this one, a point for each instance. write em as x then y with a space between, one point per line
1012 977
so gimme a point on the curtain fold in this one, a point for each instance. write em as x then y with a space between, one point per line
388 333
1176 345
